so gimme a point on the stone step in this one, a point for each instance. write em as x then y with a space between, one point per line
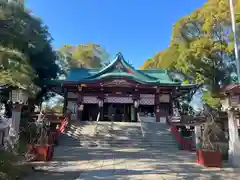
99 144
166 148
118 134
122 138
119 144
125 142
119 138
128 141
127 130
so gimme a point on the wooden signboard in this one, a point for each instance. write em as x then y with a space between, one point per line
164 98
118 82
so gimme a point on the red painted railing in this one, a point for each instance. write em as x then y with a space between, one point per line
185 144
60 119
63 125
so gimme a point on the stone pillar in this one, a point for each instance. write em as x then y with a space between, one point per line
233 135
16 118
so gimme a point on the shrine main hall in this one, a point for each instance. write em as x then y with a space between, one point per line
119 92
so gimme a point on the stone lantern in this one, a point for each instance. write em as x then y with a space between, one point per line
19 98
230 101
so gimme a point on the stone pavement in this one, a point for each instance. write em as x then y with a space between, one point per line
77 163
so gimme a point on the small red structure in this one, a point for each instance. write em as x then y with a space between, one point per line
184 144
209 158
43 149
41 152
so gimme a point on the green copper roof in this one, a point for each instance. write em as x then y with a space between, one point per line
119 68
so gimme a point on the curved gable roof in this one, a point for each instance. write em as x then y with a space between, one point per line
120 65
119 68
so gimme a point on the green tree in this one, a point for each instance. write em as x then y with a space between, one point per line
57 107
201 47
163 59
26 53
84 55
204 40
15 69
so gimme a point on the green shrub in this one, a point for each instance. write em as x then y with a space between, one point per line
10 168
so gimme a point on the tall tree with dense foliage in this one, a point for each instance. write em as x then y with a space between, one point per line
202 47
26 56
83 55
163 59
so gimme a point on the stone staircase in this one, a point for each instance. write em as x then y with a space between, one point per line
118 135
158 135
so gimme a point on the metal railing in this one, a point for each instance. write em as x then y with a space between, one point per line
138 116
95 127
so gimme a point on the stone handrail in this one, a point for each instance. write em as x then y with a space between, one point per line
95 127
138 116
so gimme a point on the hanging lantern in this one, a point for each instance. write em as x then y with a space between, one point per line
79 88
81 106
136 103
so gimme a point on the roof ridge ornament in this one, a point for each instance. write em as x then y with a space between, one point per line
119 54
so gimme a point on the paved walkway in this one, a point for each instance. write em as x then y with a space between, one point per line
72 163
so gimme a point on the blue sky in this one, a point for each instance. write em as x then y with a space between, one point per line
137 28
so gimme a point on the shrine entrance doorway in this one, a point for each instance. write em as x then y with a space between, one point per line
117 112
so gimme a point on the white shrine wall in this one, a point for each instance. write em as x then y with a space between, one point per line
145 99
